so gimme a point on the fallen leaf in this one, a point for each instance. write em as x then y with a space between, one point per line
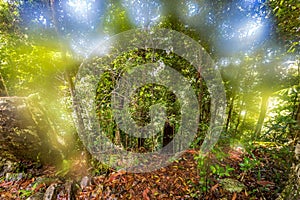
264 183
6 184
191 151
39 186
234 196
115 175
213 188
145 194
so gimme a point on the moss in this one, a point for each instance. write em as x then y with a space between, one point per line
232 185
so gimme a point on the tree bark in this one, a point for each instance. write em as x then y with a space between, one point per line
168 135
230 112
292 189
3 89
241 107
262 115
27 133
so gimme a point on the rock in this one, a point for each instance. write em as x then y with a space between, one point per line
36 196
27 132
51 192
8 177
70 190
60 190
67 191
19 176
85 181
62 195
232 185
7 166
14 176
46 180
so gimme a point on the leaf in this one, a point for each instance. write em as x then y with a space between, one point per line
234 196
191 151
213 188
264 183
115 175
38 187
145 194
213 169
6 184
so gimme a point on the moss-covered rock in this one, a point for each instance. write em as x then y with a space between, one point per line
232 185
25 132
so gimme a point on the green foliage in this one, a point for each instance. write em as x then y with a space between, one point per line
286 14
25 193
64 168
98 167
116 19
207 167
249 164
9 16
144 97
282 125
221 171
202 164
28 66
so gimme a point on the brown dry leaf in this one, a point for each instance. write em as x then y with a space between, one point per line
191 151
5 184
145 194
39 186
234 196
26 183
7 195
264 183
235 157
115 175
213 188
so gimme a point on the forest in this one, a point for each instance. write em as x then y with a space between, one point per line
149 99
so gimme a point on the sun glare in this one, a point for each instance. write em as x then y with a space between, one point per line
143 13
243 113
193 9
273 103
79 7
250 30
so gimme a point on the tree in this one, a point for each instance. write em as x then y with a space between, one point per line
287 22
45 43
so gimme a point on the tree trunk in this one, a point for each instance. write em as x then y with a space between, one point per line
241 106
26 132
168 135
3 89
230 112
292 189
262 115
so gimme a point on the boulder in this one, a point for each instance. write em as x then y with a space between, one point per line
26 132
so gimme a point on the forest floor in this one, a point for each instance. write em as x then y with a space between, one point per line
228 173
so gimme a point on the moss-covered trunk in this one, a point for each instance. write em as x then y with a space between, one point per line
292 189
